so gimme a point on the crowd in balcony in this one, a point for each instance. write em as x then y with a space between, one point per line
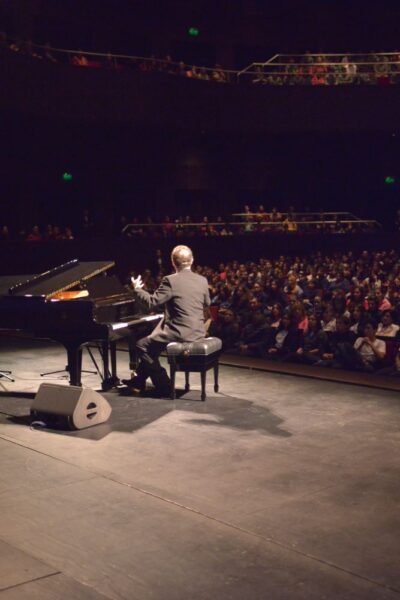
307 69
248 222
165 65
339 311
341 69
257 221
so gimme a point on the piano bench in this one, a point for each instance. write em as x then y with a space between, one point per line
198 357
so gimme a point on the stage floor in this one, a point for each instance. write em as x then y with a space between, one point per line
277 488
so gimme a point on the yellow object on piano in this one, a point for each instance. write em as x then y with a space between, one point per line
67 295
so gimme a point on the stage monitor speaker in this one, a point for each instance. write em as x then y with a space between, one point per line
72 406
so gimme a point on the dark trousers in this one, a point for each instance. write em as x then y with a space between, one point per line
149 350
350 358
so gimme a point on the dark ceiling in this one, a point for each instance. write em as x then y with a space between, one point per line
261 27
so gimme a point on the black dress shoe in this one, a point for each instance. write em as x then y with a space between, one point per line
135 384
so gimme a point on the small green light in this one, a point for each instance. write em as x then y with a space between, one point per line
193 31
67 176
390 180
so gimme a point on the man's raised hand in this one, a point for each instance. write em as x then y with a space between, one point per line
137 283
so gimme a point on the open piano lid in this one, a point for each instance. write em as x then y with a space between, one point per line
61 278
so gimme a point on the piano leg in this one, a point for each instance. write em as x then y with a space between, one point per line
74 354
110 380
113 357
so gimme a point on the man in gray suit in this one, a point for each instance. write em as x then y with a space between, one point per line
184 296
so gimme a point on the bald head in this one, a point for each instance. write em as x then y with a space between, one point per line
182 257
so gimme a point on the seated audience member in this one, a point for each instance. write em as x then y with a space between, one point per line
34 235
371 309
290 224
181 70
370 349
204 74
275 315
275 215
273 293
339 302
253 306
80 60
357 319
342 283
16 46
339 343
318 72
285 341
240 296
357 296
292 288
394 369
386 328
299 316
396 310
310 291
57 235
222 272
48 234
259 293
248 215
204 229
367 352
328 321
167 227
111 62
318 307
218 74
68 235
261 214
167 65
192 72
255 336
314 345
382 301
226 328
259 76
222 297
5 233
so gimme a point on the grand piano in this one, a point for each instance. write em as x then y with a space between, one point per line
76 304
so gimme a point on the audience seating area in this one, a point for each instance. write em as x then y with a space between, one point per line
323 312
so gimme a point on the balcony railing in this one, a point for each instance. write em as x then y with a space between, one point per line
261 222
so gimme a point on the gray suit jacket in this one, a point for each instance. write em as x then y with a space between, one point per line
183 296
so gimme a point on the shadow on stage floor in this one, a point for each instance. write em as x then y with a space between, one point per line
132 413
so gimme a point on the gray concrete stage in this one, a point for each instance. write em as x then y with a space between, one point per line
278 488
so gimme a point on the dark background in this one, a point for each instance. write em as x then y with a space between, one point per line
120 170
234 32
141 145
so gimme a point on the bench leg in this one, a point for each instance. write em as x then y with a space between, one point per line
203 384
187 385
172 372
216 372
